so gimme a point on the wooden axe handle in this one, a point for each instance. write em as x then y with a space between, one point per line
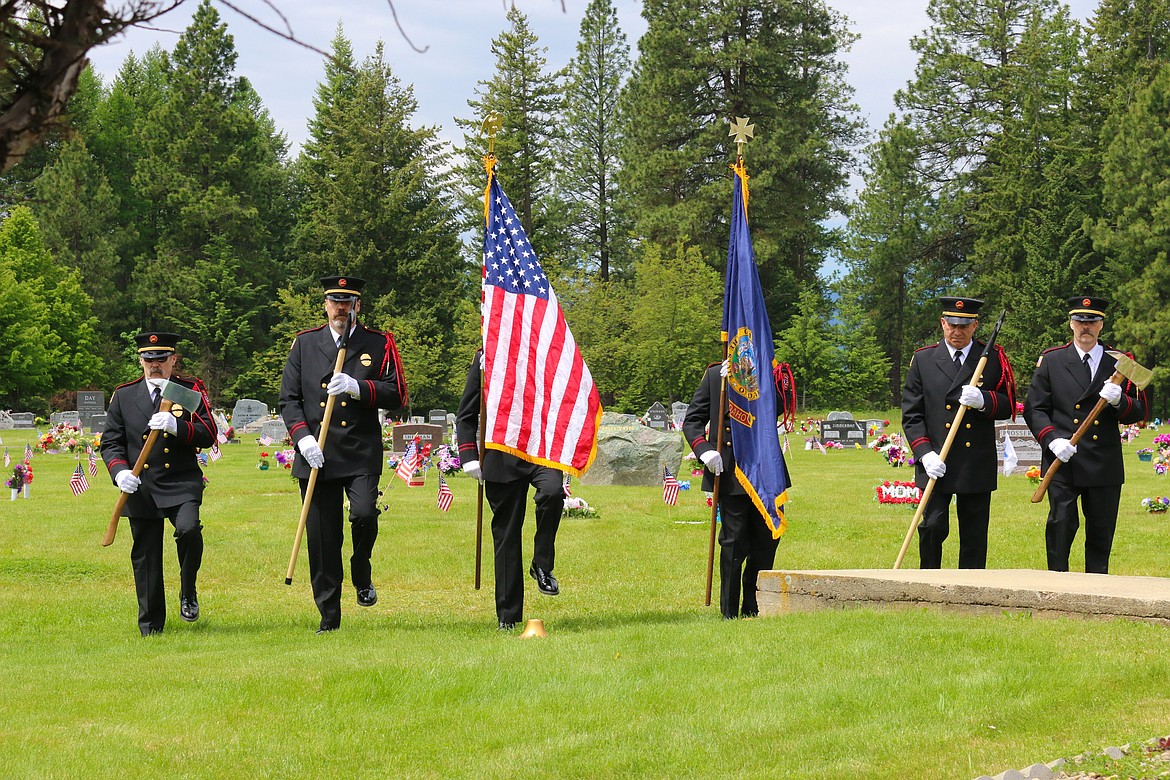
120 504
1042 488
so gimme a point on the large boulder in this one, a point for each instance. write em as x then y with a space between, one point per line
629 453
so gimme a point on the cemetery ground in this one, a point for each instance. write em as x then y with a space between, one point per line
637 677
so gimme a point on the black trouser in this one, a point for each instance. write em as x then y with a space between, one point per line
508 500
1099 505
324 527
746 545
973 511
146 556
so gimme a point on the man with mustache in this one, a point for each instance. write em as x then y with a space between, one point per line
171 484
351 464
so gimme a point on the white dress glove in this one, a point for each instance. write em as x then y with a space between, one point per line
313 455
126 481
1111 392
163 421
1063 449
971 396
934 466
471 468
725 368
713 461
343 383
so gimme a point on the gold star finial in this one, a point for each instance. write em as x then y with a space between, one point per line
742 132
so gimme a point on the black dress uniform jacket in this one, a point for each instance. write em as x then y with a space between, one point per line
930 400
354 443
171 474
1060 397
497 466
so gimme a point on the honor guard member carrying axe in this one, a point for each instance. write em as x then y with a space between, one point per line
937 382
1066 387
169 484
350 466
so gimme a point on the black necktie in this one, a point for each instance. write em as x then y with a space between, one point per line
154 395
958 361
1088 370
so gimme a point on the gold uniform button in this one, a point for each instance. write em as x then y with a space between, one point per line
967 444
1075 421
144 437
1096 422
968 425
166 465
145 465
343 403
166 450
343 423
1078 406
948 425
323 385
322 404
1094 437
948 407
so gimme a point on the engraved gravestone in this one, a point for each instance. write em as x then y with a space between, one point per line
6 422
97 423
846 432
678 411
274 429
427 434
1023 442
23 419
89 403
656 417
246 412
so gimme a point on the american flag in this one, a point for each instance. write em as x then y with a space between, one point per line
215 453
409 461
445 494
565 485
78 483
7 459
784 449
265 440
669 487
92 461
28 452
542 405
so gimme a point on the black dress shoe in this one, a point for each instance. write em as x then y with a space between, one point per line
188 609
367 596
545 582
326 629
506 626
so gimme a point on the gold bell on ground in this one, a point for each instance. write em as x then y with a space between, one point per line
534 628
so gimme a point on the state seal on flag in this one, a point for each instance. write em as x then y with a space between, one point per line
743 376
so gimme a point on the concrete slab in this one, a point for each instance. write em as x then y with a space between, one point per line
1040 593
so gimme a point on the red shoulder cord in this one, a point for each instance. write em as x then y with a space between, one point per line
786 387
1007 377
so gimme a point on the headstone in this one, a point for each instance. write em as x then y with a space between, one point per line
840 416
6 422
97 423
1023 442
68 418
427 434
847 432
875 427
678 411
437 417
632 454
418 419
657 418
274 429
23 419
89 403
246 412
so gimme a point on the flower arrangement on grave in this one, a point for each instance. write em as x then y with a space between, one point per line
1162 440
575 506
893 449
696 468
388 437
17 480
1156 504
1145 453
1129 433
285 458
263 464
63 437
834 445
890 492
1033 474
1161 464
446 459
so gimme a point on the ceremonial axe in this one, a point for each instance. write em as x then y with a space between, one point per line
172 393
1126 368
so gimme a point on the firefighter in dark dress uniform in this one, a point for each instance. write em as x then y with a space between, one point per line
746 545
1065 387
171 484
506 481
351 464
936 384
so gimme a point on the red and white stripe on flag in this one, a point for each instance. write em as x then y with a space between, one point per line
445 495
92 462
542 405
409 461
78 483
669 487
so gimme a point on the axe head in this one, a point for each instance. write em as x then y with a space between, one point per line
183 396
1131 369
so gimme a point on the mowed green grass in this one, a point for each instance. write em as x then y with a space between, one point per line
637 677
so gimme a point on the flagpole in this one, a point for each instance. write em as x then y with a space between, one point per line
491 125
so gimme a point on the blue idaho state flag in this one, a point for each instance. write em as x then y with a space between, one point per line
751 389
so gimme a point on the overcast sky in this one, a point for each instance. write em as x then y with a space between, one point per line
457 37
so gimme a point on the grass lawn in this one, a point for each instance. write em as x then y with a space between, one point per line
637 677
